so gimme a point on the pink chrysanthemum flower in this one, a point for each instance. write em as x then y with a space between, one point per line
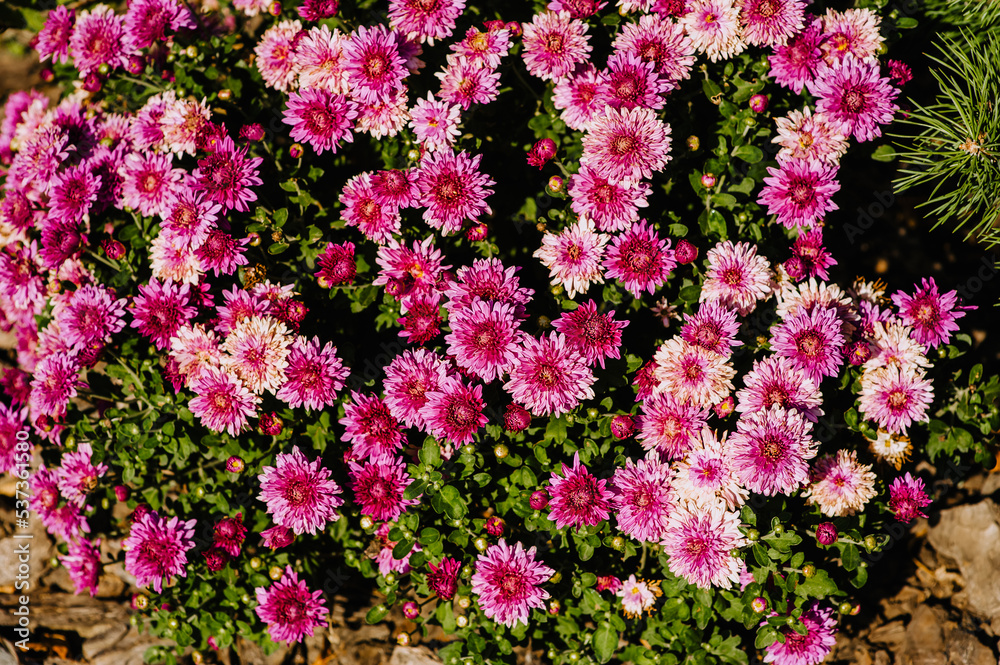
160 309
147 21
435 123
370 426
596 336
336 265
425 21
693 373
661 43
56 378
908 497
809 295
375 69
578 497
12 420
77 476
639 259
839 485
290 610
737 277
98 39
853 32
776 381
577 8
611 205
713 327
361 209
700 543
321 119
633 83
771 22
713 26
415 272
581 97
387 117
549 378
314 375
855 98
319 60
172 259
421 320
442 578
453 189
53 38
229 533
573 256
554 44
707 474
239 305
932 314
156 549
89 315
194 349
317 10
643 499
485 338
465 83
486 49
222 402
800 192
488 280
812 341
808 649
258 353
626 144
396 187
299 494
408 379
277 59
894 345
190 218
150 184
227 176
507 581
812 256
804 136
638 596
454 411
670 425
796 64
770 449
895 397
378 487
83 563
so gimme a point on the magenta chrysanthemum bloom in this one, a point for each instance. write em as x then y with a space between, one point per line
317 10
299 494
435 123
147 21
770 450
56 378
852 32
290 610
507 581
190 218
222 402
808 649
453 189
465 83
488 280
549 378
573 256
596 336
713 26
361 209
737 277
932 314
771 22
411 375
804 136
378 487
855 98
229 533
796 64
156 549
800 192
670 425
277 537
554 44
12 421
90 315
895 397
425 21
314 375
98 39
227 175
277 59
336 265
319 118
639 259
700 542
776 381
150 184
258 353
443 578
626 144
371 426
908 497
53 38
713 327
485 338
693 373
839 485
375 69
611 205
578 497
643 499
411 273
83 563
581 96
78 476
812 341
486 49
421 320
396 187
813 257
454 411
633 83
659 42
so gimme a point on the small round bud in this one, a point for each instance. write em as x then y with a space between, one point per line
104 69
573 656
554 607
464 602
199 492
494 526
105 504
468 449
556 577
618 543
592 413
826 533
134 620
622 426
790 621
501 451
122 493
461 621
481 544
552 654
685 252
693 142
275 572
390 577
92 82
467 571
366 522
541 152
515 28
411 610
47 75
274 9
539 499
413 154
870 543
173 623
113 249
724 408
191 51
779 529
516 418
197 658
845 608
296 150
758 103
235 464
555 185
808 571
140 602
403 639
708 180
758 604
749 122
256 563
753 535
135 64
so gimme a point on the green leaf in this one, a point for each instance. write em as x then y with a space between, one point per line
376 614
850 557
766 636
401 549
277 248
429 535
605 642
906 23
818 586
280 217
748 153
884 153
454 506
414 489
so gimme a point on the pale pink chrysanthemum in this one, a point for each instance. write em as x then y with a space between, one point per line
595 335
853 32
660 42
578 498
375 69
810 648
895 397
573 256
156 549
693 373
22 288
800 192
638 596
612 205
486 49
454 411
737 276
221 401
805 136
194 349
507 581
408 379
173 260
314 374
812 341
670 425
700 544
485 338
98 39
464 83
190 218
425 21
581 97
549 378
706 475
299 494
319 60
53 38
643 499
227 176
396 187
83 564
56 378
277 60
321 119
812 294
931 314
771 22
554 44
435 123
387 117
378 487
713 26
855 98
258 353
361 209
839 485
639 259
626 144
290 609
894 345
370 426
72 193
771 449
577 8
712 327
908 497
633 83
150 184
795 64
239 305
453 189
776 381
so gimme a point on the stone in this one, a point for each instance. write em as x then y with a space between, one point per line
965 649
413 656
891 634
105 641
924 641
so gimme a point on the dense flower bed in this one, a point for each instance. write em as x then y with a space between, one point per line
519 315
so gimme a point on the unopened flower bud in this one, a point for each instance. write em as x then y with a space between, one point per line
501 451
403 639
494 526
477 233
47 75
541 152
516 418
685 252
234 464
693 142
622 426
296 150
122 493
758 604
539 499
555 185
461 621
275 572
411 610
758 103
826 533
92 82
135 64
366 522
725 407
104 69
113 249
274 9
708 180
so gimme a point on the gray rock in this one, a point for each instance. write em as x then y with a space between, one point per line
413 656
105 641
965 649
